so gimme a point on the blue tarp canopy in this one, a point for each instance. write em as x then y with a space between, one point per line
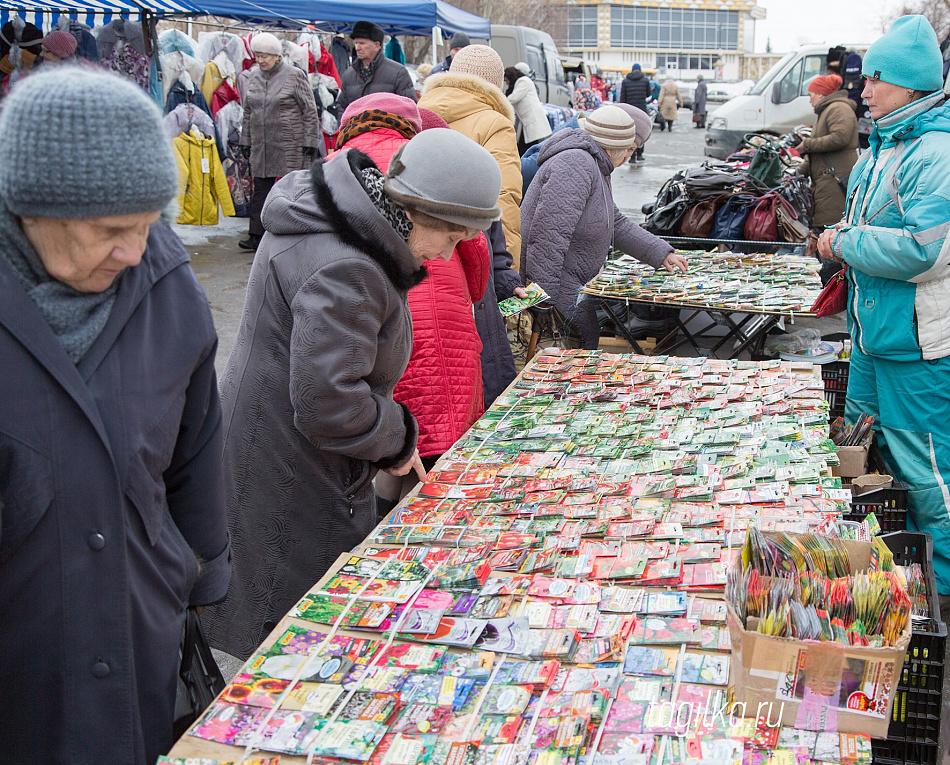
397 17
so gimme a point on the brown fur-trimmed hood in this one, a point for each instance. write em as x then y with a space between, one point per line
482 92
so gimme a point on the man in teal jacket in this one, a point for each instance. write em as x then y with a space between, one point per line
894 240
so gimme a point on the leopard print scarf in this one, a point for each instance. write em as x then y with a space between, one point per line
372 181
374 119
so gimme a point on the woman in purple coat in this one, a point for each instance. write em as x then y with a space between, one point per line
569 220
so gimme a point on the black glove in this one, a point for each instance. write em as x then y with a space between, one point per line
245 151
309 152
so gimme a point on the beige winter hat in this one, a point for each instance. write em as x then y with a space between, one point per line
611 127
481 61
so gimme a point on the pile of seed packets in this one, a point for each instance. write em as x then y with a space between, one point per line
762 283
553 595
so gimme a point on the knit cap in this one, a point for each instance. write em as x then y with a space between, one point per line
641 121
61 44
611 127
481 61
459 40
908 55
430 119
265 42
468 196
71 146
825 84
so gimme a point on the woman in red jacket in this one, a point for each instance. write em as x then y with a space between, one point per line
442 385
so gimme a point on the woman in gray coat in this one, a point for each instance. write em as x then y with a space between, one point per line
569 220
325 337
281 131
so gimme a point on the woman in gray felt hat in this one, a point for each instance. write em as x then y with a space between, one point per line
325 337
110 426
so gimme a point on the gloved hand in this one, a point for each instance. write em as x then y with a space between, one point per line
245 151
794 140
309 152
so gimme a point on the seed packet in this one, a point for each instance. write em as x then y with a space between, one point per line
350 739
707 669
659 630
418 658
224 723
318 698
291 732
651 662
505 700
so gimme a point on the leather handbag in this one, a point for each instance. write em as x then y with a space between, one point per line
697 223
766 166
200 679
790 228
730 219
834 295
762 224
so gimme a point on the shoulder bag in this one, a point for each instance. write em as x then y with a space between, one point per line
200 679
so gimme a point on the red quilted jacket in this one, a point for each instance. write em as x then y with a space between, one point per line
442 385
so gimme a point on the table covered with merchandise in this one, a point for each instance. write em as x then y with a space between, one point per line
554 593
763 288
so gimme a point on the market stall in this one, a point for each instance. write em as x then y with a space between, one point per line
554 592
760 289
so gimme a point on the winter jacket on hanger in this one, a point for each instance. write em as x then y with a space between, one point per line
179 94
224 94
173 64
186 116
201 181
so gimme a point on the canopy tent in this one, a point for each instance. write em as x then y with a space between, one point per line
397 17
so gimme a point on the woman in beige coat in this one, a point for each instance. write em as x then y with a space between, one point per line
469 98
669 102
281 131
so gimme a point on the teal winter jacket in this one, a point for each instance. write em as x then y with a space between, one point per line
895 239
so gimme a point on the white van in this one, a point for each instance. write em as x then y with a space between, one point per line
775 104
538 51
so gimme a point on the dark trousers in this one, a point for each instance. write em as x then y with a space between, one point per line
262 187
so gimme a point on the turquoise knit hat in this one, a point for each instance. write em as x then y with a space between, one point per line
908 55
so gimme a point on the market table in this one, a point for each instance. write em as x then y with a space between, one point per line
764 289
626 462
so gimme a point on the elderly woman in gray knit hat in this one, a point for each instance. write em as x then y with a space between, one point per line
569 220
110 426
326 335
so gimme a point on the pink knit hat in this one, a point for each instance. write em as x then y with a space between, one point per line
60 44
431 120
384 102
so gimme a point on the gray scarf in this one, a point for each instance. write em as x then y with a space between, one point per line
76 318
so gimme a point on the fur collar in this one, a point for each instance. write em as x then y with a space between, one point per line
350 233
470 82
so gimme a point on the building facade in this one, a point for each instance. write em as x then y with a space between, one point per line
678 38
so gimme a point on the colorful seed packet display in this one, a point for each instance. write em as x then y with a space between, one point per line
553 594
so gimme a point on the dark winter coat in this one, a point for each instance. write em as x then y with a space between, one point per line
307 395
699 98
280 119
114 519
498 362
830 154
636 90
387 76
341 55
443 66
569 222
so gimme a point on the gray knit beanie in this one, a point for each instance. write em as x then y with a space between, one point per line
468 196
76 143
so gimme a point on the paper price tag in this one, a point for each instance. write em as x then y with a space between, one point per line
205 165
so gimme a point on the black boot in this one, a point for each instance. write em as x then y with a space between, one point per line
250 243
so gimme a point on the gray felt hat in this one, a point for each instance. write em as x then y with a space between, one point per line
468 196
76 143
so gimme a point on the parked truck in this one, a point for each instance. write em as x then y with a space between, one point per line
538 51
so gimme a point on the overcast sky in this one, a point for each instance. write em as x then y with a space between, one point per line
791 23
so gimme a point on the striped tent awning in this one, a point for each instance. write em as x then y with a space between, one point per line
46 13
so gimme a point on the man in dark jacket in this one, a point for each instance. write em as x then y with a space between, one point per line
637 91
459 40
110 427
373 72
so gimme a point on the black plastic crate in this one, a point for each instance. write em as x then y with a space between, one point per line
915 722
834 374
888 505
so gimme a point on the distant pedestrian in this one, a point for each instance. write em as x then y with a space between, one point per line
282 130
669 103
58 47
533 125
637 91
699 103
459 40
373 72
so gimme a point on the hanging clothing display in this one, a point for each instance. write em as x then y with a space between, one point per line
86 46
202 182
185 92
122 50
19 48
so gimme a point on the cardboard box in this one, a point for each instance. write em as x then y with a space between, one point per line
817 685
854 461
